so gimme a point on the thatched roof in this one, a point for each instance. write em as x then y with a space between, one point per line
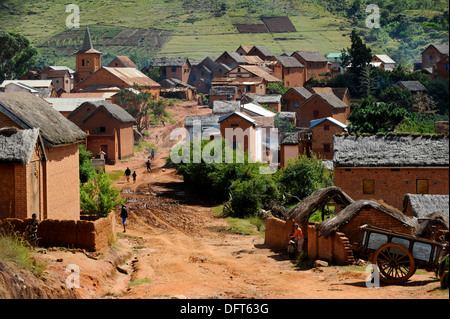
223 90
423 205
311 56
30 111
168 61
289 138
17 146
222 107
390 150
434 219
303 210
289 62
344 216
413 86
111 109
205 120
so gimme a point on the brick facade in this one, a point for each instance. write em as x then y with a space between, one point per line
322 139
391 183
236 122
316 108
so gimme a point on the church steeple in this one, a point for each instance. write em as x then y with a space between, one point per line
88 60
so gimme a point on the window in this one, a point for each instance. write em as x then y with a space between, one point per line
422 186
234 125
82 62
296 105
316 114
326 148
368 187
326 127
174 69
87 62
99 130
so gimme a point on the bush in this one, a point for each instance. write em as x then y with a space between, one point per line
86 168
98 196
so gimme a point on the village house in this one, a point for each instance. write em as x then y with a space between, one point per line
315 63
66 105
172 67
174 88
290 71
122 62
334 63
273 101
42 88
387 167
322 132
293 98
383 61
222 93
441 69
412 86
264 53
432 55
39 162
254 85
109 129
342 93
62 77
244 49
321 105
208 124
289 147
201 74
221 107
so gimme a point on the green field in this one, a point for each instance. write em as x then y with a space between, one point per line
187 28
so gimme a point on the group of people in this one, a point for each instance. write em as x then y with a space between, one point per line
148 164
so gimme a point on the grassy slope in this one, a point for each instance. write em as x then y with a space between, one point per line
196 33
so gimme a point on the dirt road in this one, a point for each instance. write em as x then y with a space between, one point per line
181 248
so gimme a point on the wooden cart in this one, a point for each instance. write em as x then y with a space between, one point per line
398 255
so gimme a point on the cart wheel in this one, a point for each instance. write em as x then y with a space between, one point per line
395 262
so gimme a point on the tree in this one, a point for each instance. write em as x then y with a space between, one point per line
373 117
99 196
394 94
366 81
16 55
277 88
358 55
87 170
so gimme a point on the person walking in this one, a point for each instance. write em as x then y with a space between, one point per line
149 166
128 173
153 154
298 237
124 216
134 177
33 228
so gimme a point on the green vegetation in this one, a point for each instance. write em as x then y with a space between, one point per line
15 248
87 170
139 281
116 174
98 196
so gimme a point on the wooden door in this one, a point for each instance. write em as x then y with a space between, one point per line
7 191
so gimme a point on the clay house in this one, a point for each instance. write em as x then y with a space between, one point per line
172 67
220 70
231 59
290 71
383 61
264 53
42 88
321 105
39 164
255 85
315 63
412 86
250 141
174 88
322 133
334 63
273 101
201 74
244 49
112 80
122 62
252 71
293 98
386 167
109 129
342 93
222 93
88 59
62 77
289 147
208 124
66 105
441 69
432 55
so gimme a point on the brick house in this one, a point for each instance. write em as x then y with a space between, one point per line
321 105
122 62
383 61
112 80
424 205
109 129
342 93
42 88
222 93
253 85
231 59
201 74
172 67
388 167
315 63
251 71
322 133
441 69
289 70
273 101
293 98
264 53
433 54
62 77
289 147
39 164
244 49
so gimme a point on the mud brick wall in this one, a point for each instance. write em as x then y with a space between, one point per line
277 232
336 247
89 235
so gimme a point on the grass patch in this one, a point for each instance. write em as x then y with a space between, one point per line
15 248
116 174
139 281
246 226
143 145
217 209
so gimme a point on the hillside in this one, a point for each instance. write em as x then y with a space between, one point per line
196 28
